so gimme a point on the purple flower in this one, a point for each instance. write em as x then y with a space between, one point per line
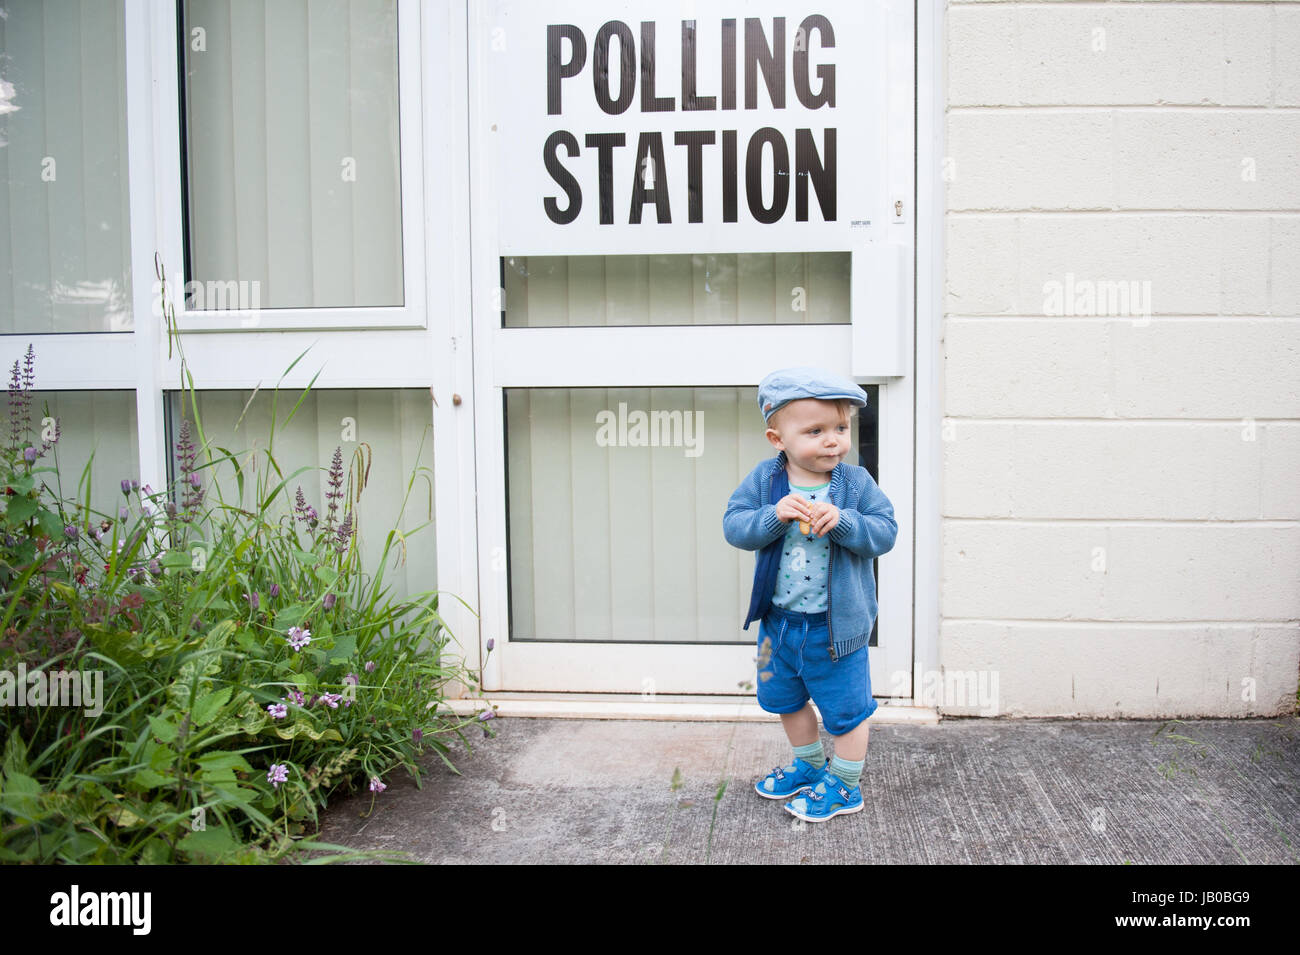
328 602
275 590
29 455
185 456
298 637
71 532
417 734
123 512
155 568
376 786
135 485
277 710
353 679
370 666
490 644
335 481
306 513
487 715
126 487
331 700
296 697
254 601
278 773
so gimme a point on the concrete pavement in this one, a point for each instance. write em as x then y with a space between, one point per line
961 791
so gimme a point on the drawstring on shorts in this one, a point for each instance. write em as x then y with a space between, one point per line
780 638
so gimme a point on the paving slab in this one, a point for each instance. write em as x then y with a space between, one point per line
973 791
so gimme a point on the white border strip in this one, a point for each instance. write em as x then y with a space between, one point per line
931 52
508 705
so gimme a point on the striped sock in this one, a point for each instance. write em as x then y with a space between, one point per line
813 754
848 772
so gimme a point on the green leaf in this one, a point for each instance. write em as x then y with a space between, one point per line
154 853
209 843
327 575
164 729
344 648
158 756
15 758
209 705
147 779
21 796
177 558
217 761
51 524
220 633
304 557
304 728
122 815
20 509
290 616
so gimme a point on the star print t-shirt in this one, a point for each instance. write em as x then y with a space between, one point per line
805 559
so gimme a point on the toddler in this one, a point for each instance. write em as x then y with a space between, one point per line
816 523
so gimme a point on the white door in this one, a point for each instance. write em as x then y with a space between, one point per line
638 268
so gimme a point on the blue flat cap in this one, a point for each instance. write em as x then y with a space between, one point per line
790 384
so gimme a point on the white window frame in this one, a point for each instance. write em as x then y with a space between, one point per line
168 64
420 350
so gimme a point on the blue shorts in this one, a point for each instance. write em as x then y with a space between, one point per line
798 666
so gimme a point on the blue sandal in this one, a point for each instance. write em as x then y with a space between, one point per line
829 798
785 781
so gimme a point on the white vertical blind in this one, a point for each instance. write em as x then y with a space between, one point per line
64 242
391 422
102 423
624 543
293 176
759 288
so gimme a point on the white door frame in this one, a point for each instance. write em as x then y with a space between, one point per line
679 355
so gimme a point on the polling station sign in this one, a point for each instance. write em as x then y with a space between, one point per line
689 127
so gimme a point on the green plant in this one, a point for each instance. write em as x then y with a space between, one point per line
247 665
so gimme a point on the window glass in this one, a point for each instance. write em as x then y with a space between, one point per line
65 250
769 288
102 423
293 186
388 425
615 499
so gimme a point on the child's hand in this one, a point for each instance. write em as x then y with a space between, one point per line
793 508
825 516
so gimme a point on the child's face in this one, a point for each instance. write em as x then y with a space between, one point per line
813 434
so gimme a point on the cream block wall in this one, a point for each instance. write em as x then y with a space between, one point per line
1121 482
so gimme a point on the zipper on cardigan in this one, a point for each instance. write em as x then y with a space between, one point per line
830 568
830 576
